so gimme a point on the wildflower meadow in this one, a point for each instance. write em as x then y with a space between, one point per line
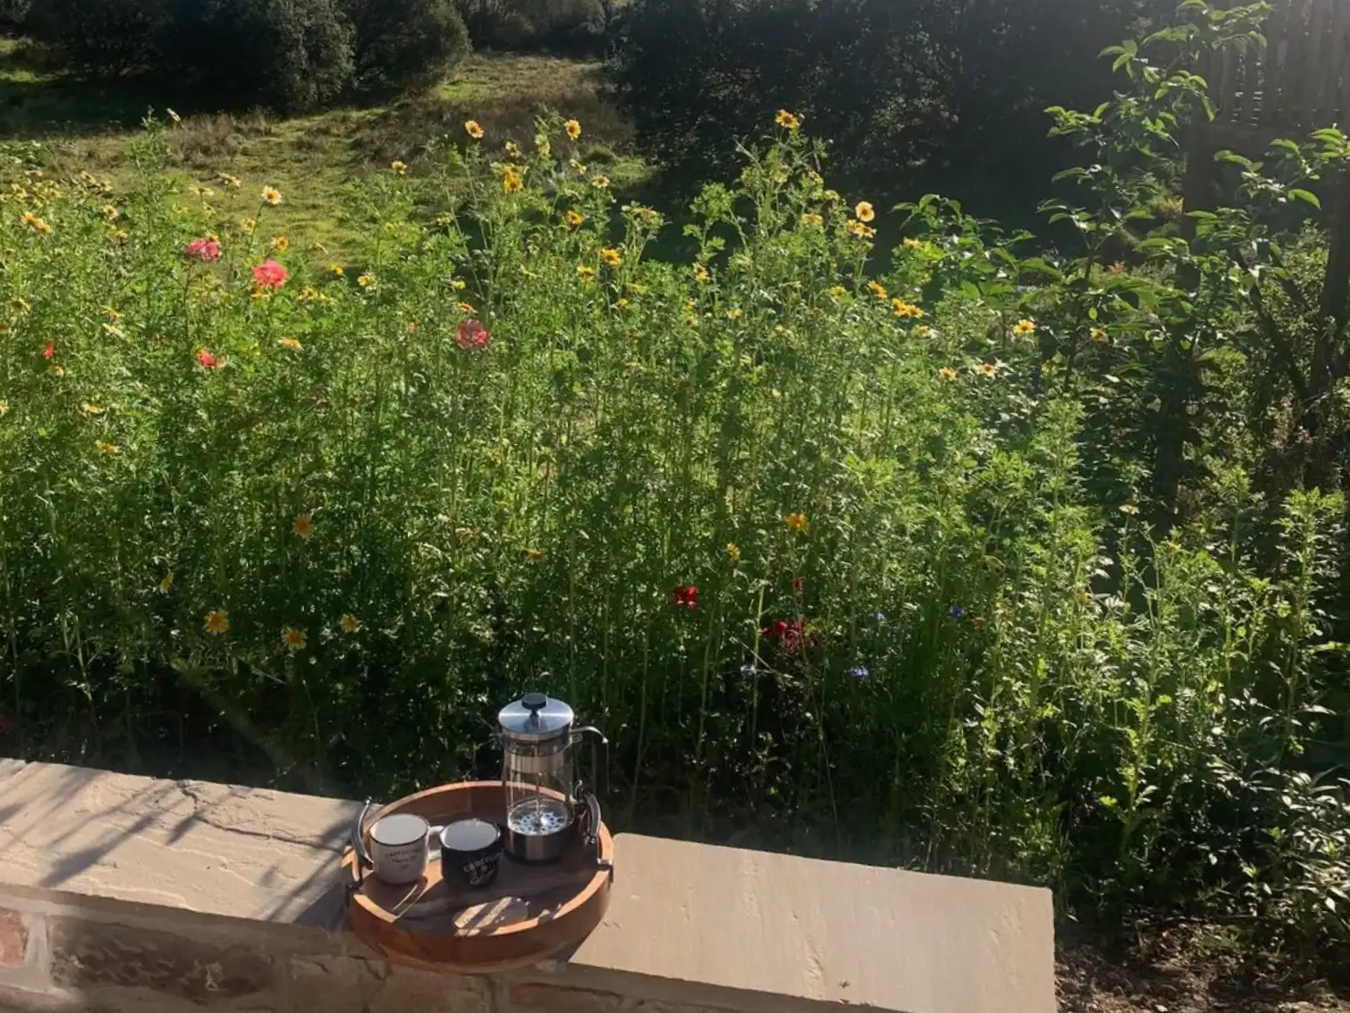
863 550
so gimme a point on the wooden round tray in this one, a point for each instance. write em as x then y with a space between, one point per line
528 913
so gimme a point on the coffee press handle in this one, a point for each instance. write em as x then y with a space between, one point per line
599 759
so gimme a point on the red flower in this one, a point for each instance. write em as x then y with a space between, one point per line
791 635
796 583
472 334
685 597
206 360
49 350
269 274
205 250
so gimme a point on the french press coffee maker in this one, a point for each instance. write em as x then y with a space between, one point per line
545 802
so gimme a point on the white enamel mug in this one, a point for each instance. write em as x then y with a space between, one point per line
398 848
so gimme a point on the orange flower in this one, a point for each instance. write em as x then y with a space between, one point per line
948 374
472 128
303 525
573 129
217 622
293 639
294 345
795 522
877 289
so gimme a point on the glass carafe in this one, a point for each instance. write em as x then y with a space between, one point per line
544 800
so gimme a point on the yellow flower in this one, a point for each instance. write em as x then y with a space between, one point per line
349 623
1024 328
294 345
108 448
1097 334
865 211
365 280
600 182
113 330
701 274
573 129
878 289
201 191
336 270
293 639
513 150
733 553
905 309
923 331
611 256
535 555
398 168
166 583
542 145
110 213
91 409
467 308
913 244
35 223
948 374
838 293
860 230
511 181
19 305
787 120
795 522
585 272
987 369
472 128
217 622
574 218
4 406
281 244
1129 509
735 314
248 225
112 314
230 181
303 525
271 195
812 219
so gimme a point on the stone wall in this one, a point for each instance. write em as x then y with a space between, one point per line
131 894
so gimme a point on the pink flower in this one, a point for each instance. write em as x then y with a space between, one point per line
205 250
49 350
206 360
472 334
269 274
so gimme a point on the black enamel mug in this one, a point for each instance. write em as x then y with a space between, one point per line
471 850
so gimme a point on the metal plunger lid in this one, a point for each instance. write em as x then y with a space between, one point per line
535 718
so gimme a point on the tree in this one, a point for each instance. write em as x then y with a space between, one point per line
402 44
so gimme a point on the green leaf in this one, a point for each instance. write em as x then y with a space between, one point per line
1308 197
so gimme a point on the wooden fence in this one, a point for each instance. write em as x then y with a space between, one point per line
1300 81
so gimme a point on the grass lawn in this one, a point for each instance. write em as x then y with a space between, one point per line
68 126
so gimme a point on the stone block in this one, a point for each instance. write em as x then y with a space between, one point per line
543 998
13 938
88 955
344 984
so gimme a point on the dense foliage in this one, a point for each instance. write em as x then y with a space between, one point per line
282 54
914 94
1025 565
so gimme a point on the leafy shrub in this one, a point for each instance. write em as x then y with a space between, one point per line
403 44
576 27
100 38
283 54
